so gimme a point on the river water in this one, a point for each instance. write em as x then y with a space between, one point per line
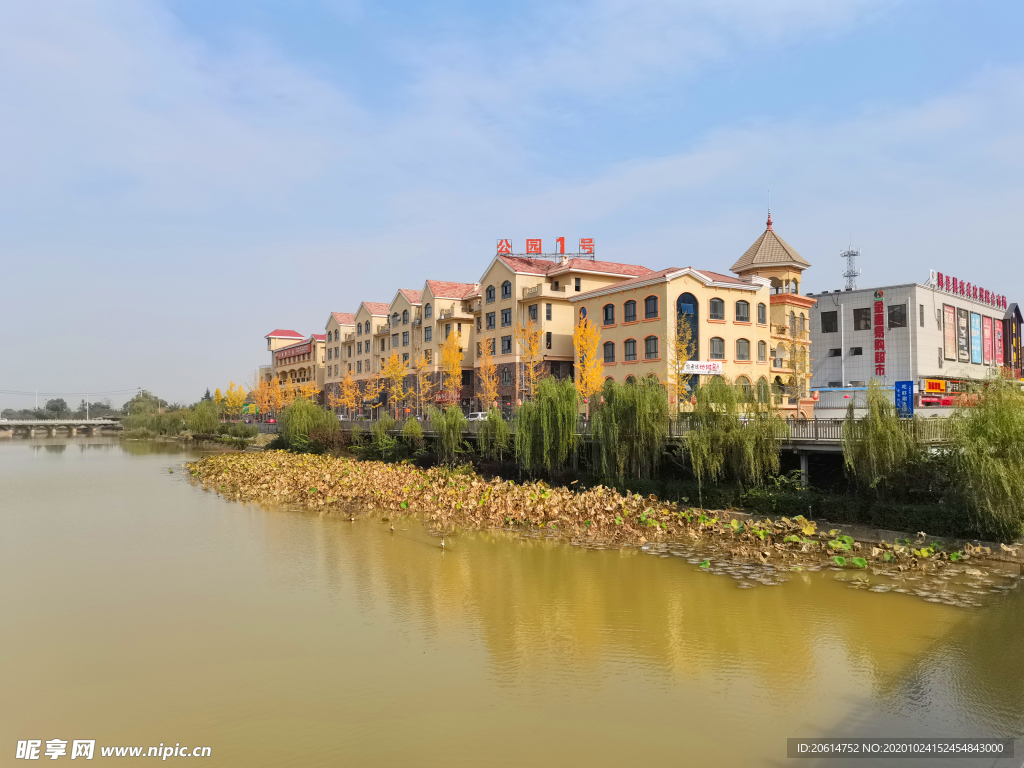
139 609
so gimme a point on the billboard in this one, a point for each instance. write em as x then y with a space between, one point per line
905 398
711 367
963 338
949 330
976 356
986 339
997 328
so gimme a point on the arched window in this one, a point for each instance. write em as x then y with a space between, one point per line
629 350
742 311
394 319
743 385
428 310
762 352
629 312
803 322
792 322
631 379
609 314
742 349
651 348
651 308
762 314
716 349
583 313
776 285
405 317
359 329
506 376
367 326
716 309
489 294
609 351
779 356
794 287
506 290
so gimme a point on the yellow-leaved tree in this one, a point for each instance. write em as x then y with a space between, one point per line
586 338
218 398
262 394
307 390
424 385
234 399
680 353
334 399
394 374
276 396
451 365
528 337
372 392
488 373
350 396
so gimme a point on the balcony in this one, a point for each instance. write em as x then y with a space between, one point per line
787 332
476 305
445 314
350 336
543 289
382 330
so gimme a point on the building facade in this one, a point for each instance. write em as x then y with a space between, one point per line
302 362
339 325
515 290
939 340
276 339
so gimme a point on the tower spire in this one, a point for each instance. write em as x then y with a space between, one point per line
769 209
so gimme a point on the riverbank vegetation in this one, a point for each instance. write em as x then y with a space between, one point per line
451 499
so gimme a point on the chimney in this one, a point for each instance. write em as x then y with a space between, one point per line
564 259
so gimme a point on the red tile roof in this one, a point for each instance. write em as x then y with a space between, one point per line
376 307
718 277
664 274
442 289
320 336
411 295
528 266
281 333
610 267
344 318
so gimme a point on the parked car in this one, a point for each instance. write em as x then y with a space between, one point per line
477 416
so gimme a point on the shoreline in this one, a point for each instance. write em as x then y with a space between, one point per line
599 517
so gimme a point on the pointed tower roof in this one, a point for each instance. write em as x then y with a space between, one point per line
770 250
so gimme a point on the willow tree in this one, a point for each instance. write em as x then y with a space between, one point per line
630 428
878 447
733 432
987 432
546 426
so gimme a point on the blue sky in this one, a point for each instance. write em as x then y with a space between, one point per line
177 178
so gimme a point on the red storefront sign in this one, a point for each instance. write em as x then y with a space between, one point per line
447 397
958 287
879 334
293 351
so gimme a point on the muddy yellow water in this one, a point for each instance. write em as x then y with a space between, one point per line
138 609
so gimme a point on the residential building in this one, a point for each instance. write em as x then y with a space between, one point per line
358 354
446 309
302 362
398 335
516 289
339 325
276 339
752 327
639 319
772 258
940 340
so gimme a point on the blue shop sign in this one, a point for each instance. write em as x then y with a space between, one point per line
905 398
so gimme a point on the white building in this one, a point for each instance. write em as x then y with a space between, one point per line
939 340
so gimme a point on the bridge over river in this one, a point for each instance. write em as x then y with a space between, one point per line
54 427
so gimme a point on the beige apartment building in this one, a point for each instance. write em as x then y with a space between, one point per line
339 324
358 354
276 339
514 290
639 320
446 310
751 326
302 362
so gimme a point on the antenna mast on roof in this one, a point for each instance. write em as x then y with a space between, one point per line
851 273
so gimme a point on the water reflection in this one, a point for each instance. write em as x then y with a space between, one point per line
134 600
